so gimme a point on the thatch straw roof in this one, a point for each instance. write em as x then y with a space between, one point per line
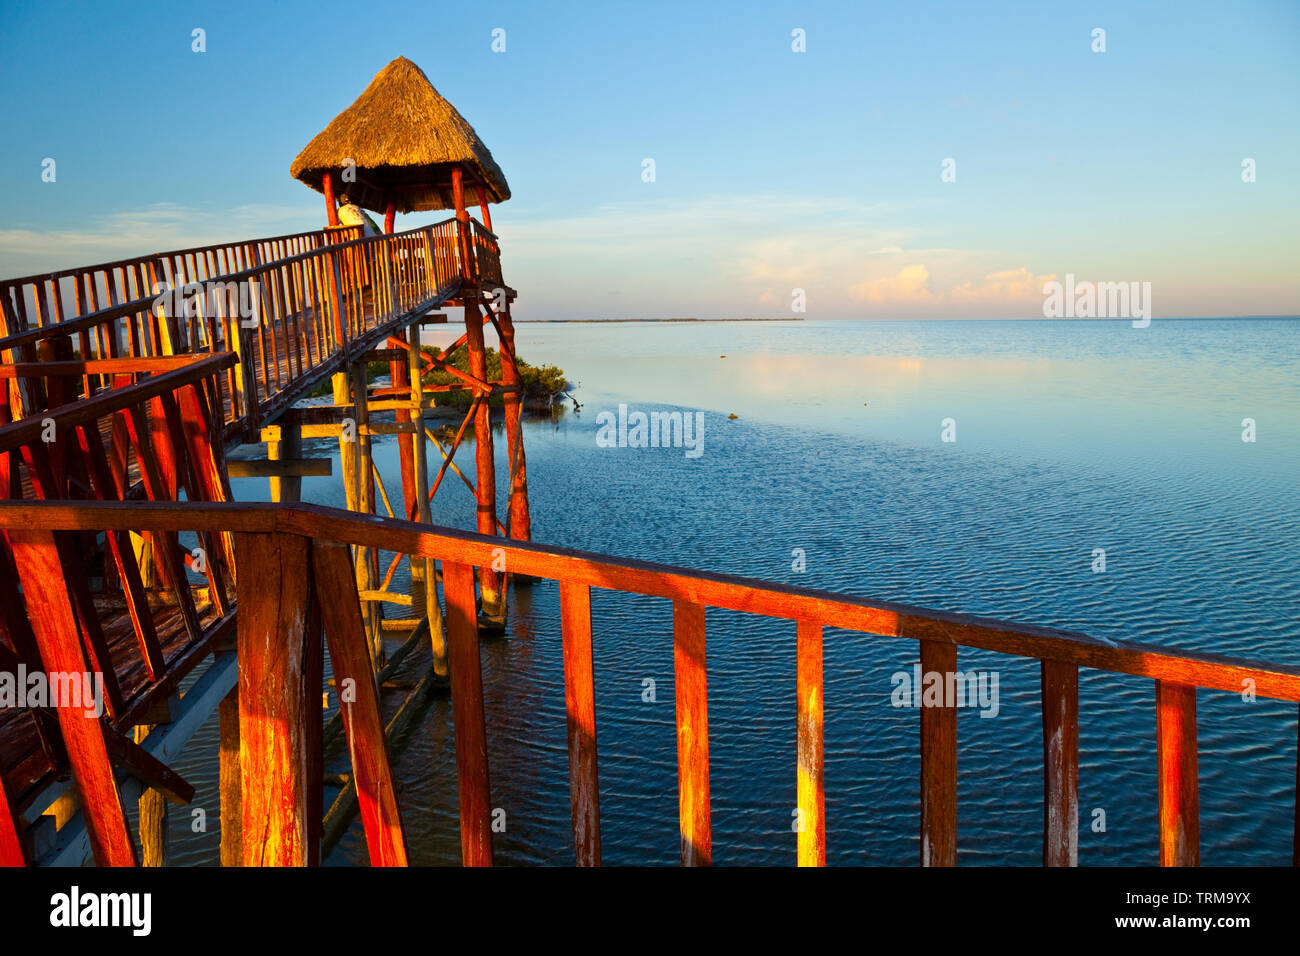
405 139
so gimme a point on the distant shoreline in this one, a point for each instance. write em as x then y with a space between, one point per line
1186 318
540 321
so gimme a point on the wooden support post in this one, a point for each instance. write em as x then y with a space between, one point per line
692 700
485 485
280 721
1060 694
390 215
580 706
152 805
520 520
811 782
424 578
939 761
467 714
354 677
230 785
1180 827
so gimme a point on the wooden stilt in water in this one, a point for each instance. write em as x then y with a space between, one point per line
232 853
424 580
485 486
152 805
520 521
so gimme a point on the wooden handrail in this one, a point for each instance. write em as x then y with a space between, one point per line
941 634
766 598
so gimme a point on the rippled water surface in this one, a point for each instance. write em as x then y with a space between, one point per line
1071 436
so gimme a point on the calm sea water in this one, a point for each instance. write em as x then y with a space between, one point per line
1070 436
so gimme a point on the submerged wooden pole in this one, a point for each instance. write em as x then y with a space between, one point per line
152 807
232 853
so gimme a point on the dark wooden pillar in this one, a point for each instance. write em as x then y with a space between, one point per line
331 210
483 208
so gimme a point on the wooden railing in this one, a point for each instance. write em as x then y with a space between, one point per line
487 256
292 544
38 301
143 629
291 321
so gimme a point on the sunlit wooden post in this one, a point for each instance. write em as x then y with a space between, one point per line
691 690
467 715
811 782
1180 828
580 708
280 725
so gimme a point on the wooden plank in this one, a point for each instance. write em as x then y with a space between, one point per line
362 720
1060 697
938 762
690 672
148 769
580 706
753 596
1180 827
279 468
811 783
467 714
55 625
277 702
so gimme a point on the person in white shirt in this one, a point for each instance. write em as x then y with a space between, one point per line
353 215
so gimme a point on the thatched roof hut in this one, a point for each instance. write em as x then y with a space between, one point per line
405 140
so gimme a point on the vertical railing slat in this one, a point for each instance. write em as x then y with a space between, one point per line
580 707
938 761
1060 696
691 693
1180 837
811 788
467 714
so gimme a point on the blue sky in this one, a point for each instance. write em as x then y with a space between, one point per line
775 170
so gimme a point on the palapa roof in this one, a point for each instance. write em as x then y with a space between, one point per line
405 139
